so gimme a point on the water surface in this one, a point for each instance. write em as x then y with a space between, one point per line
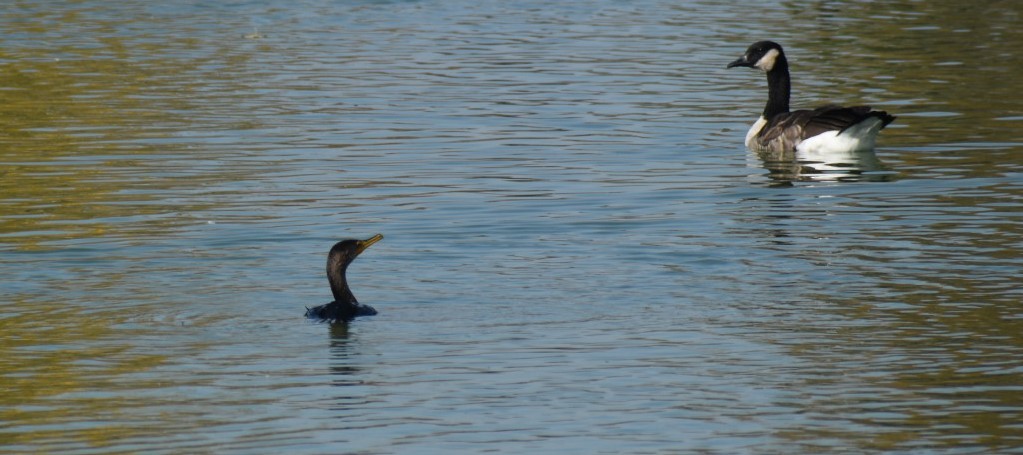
579 255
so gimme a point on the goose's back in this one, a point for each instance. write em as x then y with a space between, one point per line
786 131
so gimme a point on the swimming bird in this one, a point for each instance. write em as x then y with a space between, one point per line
828 129
344 307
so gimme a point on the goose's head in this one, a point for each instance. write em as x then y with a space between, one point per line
763 55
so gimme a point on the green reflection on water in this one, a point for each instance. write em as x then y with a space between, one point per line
96 134
945 351
64 365
91 147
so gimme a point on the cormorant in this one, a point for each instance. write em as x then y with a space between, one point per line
344 307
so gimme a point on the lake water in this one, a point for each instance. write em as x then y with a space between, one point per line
579 256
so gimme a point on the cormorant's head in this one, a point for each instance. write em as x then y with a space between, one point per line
761 54
345 251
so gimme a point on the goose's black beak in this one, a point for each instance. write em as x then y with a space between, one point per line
740 62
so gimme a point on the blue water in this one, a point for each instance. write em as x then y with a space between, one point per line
579 254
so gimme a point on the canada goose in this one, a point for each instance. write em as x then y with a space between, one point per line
825 129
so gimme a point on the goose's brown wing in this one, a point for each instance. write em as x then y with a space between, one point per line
796 126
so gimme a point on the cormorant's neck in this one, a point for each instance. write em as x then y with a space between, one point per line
778 88
338 283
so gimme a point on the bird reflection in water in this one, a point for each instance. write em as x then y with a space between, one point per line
342 367
788 166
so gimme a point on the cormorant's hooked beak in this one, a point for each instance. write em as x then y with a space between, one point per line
363 244
741 61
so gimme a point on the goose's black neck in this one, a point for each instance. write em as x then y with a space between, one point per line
336 267
779 88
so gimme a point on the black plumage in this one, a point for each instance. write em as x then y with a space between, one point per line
345 307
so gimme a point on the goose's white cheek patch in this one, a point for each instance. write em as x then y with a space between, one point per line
766 62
